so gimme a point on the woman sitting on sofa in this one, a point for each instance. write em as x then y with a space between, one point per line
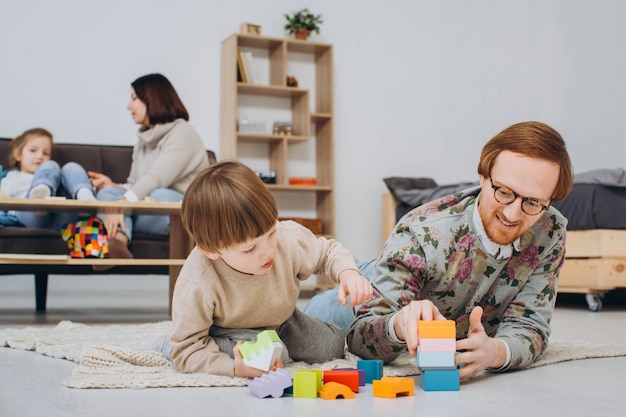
166 158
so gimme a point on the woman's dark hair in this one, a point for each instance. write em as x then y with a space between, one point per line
160 97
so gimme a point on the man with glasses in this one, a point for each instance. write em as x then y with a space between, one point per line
487 257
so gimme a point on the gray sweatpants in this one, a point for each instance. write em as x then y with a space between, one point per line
305 338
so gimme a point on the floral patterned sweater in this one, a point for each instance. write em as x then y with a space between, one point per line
435 253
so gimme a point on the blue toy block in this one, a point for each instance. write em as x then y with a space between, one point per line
430 360
271 384
373 368
440 379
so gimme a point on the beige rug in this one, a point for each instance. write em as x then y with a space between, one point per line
116 356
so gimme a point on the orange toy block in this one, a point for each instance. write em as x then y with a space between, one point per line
436 329
348 377
393 387
333 390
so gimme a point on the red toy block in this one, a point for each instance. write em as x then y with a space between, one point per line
333 390
393 387
349 378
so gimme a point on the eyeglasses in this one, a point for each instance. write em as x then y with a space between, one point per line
530 206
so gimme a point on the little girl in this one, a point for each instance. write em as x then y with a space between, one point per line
32 174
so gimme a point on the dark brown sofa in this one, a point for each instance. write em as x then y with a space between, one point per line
109 159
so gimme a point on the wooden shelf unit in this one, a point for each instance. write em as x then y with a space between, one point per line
310 121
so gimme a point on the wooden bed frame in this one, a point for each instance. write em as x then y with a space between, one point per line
595 259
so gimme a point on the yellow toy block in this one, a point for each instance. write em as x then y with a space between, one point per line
436 329
306 383
393 387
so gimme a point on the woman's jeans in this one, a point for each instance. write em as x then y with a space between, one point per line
63 182
145 223
325 306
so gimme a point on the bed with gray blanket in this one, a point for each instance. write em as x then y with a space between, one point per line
596 239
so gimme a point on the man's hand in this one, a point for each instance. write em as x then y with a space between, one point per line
405 321
478 351
356 286
244 371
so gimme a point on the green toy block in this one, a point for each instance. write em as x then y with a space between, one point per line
263 352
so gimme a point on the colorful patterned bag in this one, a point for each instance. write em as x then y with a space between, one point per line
87 238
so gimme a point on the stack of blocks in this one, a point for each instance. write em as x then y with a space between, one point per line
435 355
435 359
313 383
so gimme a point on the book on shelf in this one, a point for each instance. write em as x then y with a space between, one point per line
255 79
248 66
241 73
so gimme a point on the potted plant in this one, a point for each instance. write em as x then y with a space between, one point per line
302 23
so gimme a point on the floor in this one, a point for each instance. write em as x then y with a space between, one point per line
30 384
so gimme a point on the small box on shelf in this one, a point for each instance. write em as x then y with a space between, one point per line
314 225
302 181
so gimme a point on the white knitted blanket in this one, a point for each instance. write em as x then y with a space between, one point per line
117 356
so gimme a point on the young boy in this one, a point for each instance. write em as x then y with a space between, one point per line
244 276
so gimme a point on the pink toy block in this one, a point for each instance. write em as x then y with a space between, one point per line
349 378
333 390
438 345
271 384
393 387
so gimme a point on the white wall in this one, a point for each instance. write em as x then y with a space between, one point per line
420 85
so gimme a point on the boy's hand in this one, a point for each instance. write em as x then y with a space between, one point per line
244 371
356 286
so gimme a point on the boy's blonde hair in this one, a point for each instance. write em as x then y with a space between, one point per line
227 204
18 143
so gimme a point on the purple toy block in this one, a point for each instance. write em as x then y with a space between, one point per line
272 384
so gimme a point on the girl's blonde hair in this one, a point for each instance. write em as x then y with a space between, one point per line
227 204
18 143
